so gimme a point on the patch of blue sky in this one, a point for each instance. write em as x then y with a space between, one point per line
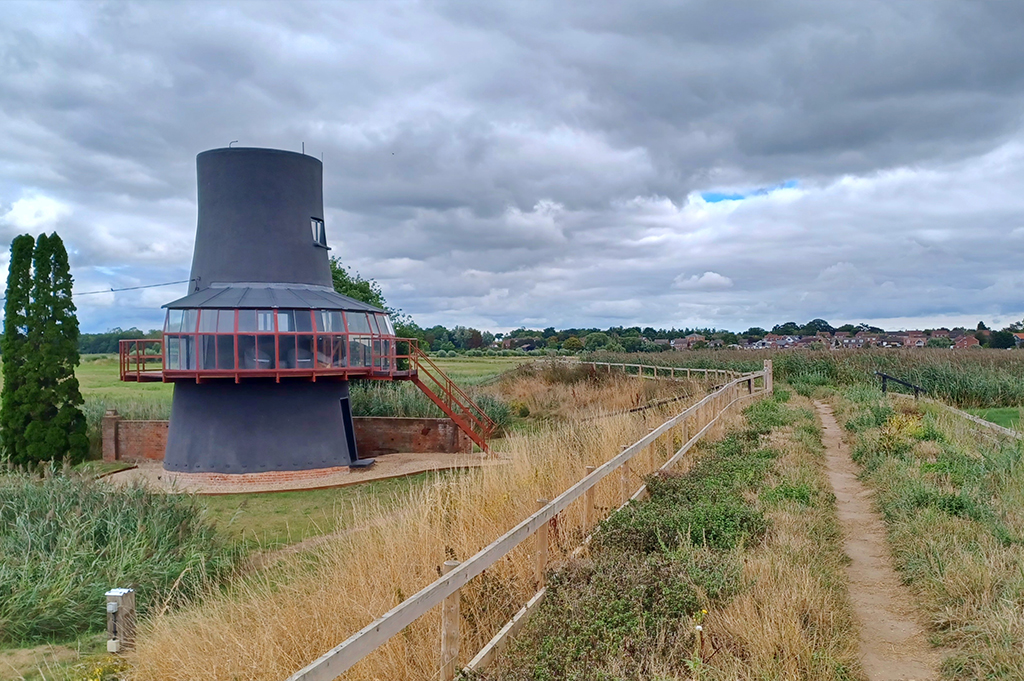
717 197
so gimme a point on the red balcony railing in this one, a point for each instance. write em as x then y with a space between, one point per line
197 357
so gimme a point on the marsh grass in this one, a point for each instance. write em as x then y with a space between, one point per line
65 540
972 378
274 622
952 496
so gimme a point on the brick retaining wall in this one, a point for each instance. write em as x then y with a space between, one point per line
134 441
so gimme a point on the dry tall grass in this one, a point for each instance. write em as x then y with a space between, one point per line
795 620
268 626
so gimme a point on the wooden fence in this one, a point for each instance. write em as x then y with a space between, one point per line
651 371
693 424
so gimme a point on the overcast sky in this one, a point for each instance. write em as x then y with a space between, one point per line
498 164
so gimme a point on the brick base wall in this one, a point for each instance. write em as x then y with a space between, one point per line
135 441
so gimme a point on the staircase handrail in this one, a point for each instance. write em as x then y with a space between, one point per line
466 403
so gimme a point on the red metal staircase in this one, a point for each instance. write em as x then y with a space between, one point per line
450 398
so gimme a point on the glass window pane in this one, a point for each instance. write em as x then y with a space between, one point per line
173 321
226 322
339 356
207 352
188 353
304 352
247 351
357 322
285 320
329 320
324 348
303 321
173 359
189 319
286 352
208 320
373 324
386 324
265 352
225 352
264 320
247 320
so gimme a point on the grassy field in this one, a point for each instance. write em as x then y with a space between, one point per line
269 521
247 632
965 378
256 524
1007 417
952 495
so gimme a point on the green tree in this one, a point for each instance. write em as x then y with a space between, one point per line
572 344
56 430
69 425
40 366
14 416
351 284
1002 340
596 340
938 343
787 329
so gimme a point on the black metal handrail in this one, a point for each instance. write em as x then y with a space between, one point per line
886 378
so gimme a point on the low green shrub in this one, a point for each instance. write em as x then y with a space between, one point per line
66 540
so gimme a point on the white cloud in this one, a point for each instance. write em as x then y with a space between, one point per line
703 282
34 214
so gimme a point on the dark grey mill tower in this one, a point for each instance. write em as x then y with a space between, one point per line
249 398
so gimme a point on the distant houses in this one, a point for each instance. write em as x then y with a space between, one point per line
845 340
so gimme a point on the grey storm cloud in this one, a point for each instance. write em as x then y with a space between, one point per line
507 163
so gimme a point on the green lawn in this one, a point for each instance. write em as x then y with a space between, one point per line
474 370
1007 417
275 519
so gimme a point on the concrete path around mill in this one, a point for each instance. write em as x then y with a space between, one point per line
397 465
893 642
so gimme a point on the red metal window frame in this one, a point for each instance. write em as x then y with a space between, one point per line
381 363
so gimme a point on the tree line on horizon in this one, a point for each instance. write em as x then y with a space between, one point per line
439 338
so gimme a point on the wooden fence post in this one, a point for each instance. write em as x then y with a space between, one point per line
588 505
449 629
624 482
541 565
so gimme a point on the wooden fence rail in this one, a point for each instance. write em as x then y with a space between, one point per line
652 371
343 657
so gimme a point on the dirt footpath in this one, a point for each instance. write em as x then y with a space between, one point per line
893 644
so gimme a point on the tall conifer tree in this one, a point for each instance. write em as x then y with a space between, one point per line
70 421
14 414
38 392
56 428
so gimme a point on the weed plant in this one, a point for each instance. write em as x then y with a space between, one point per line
952 496
66 540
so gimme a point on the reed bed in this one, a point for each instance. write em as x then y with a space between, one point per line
269 625
966 378
65 540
